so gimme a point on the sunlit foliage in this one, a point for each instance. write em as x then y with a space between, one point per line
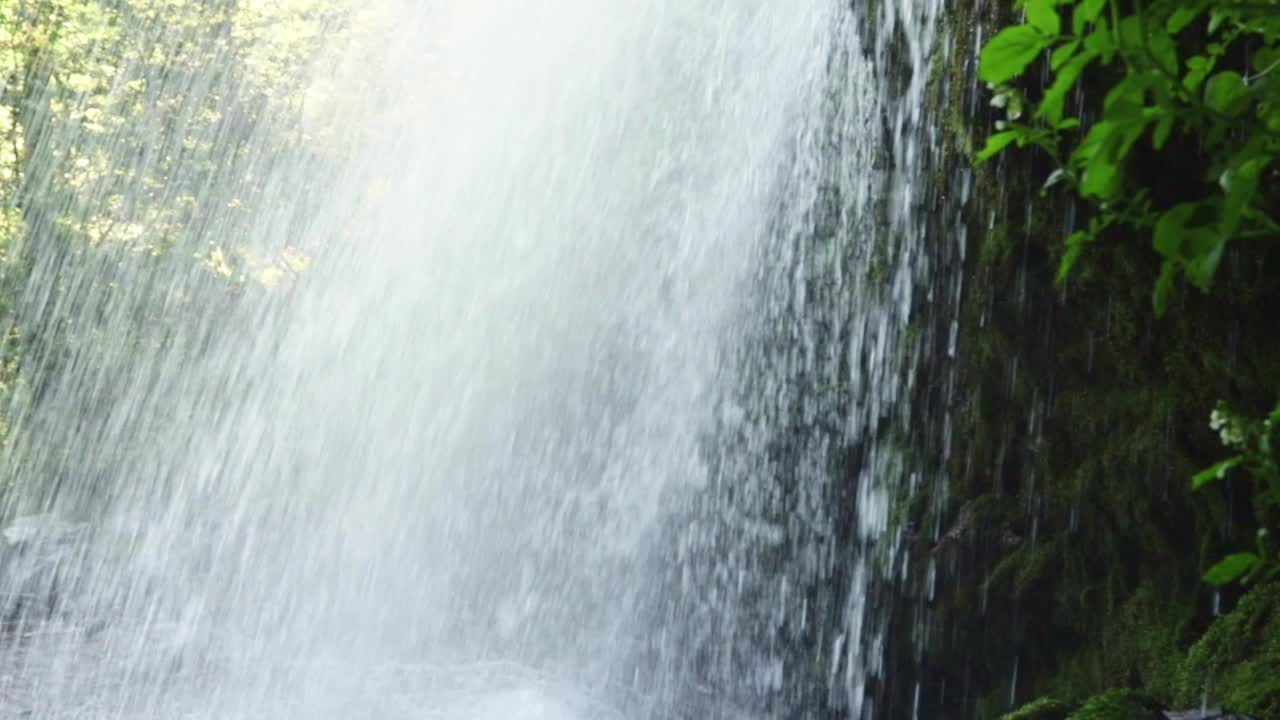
128 122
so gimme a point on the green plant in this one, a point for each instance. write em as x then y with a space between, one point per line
1184 85
1255 444
1192 85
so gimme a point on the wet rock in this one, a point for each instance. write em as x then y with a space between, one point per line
1203 714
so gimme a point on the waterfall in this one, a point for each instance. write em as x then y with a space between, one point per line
485 359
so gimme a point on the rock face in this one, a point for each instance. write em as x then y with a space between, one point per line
37 552
1203 714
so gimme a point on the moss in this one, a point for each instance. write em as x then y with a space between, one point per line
1141 643
1046 708
993 705
996 246
1118 704
1023 569
1082 418
1236 664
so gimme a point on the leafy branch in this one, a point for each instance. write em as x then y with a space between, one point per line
1256 443
1164 87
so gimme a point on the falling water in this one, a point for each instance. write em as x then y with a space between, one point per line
534 360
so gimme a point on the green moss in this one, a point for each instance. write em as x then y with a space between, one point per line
993 705
1082 418
1237 662
1046 708
1141 643
1118 704
996 246
1029 565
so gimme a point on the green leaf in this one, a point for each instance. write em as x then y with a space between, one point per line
1224 91
1171 229
1196 247
1214 472
1161 134
1125 100
1009 52
1043 16
996 143
1094 143
1055 97
1100 177
1231 568
1075 246
1198 68
1265 58
1086 12
1181 18
1101 42
1102 153
1062 54
1241 187
1203 249
1163 51
1215 19
1130 32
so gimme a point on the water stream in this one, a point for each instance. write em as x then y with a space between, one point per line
574 393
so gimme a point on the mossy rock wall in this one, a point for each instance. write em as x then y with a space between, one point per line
1237 662
1068 544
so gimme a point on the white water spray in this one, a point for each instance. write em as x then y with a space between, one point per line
445 471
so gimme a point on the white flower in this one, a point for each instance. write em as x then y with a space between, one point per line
1231 436
999 101
1217 419
1001 125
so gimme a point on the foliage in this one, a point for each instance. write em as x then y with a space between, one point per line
128 122
1084 410
137 135
1258 452
1198 72
1188 86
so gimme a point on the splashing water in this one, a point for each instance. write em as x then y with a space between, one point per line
570 305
